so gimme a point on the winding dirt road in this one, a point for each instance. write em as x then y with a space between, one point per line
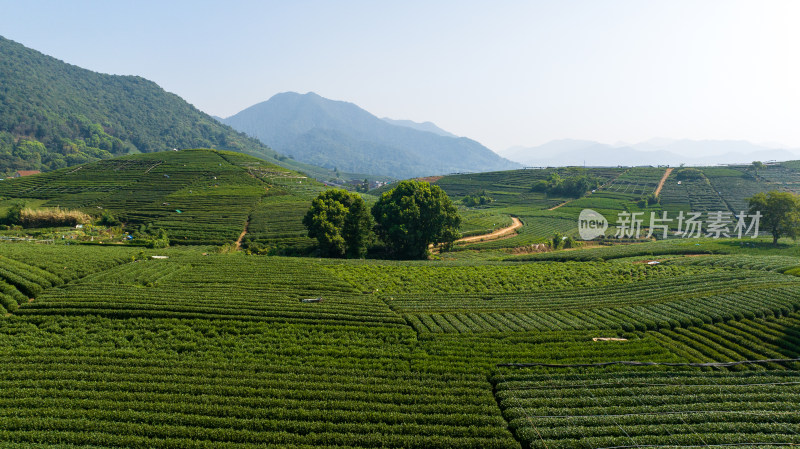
516 224
663 180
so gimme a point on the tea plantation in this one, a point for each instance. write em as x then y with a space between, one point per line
623 189
202 346
196 196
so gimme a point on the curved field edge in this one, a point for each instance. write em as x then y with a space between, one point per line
220 350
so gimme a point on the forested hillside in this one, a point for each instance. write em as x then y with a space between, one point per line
54 114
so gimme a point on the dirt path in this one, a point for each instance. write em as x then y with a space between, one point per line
241 236
516 224
247 222
559 205
663 180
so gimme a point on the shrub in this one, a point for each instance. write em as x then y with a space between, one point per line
688 173
108 220
42 218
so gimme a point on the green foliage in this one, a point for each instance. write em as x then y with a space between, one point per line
780 213
151 237
216 193
13 214
218 350
649 200
557 242
419 283
414 215
108 219
477 199
570 408
64 116
574 186
657 303
341 223
688 173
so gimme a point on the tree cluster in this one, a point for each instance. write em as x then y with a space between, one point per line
560 241
688 174
407 219
648 200
571 186
341 223
477 199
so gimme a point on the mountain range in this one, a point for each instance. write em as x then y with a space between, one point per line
54 114
341 135
652 152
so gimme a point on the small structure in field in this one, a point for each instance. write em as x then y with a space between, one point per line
312 300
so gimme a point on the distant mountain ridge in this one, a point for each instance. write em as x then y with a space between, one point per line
424 126
341 135
652 152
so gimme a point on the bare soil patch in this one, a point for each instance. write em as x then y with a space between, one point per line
663 180
241 236
430 178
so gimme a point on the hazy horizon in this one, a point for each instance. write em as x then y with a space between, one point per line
503 74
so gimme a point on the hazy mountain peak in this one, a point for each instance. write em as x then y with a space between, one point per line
339 134
420 126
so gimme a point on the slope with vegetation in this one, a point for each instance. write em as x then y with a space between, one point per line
194 196
109 346
549 200
56 115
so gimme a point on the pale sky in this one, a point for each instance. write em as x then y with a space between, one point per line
504 73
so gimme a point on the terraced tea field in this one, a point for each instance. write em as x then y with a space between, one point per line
106 346
677 408
724 189
200 349
197 196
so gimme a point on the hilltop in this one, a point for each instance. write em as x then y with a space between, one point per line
337 134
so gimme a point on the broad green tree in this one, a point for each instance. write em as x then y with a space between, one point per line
341 223
780 213
413 216
755 167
